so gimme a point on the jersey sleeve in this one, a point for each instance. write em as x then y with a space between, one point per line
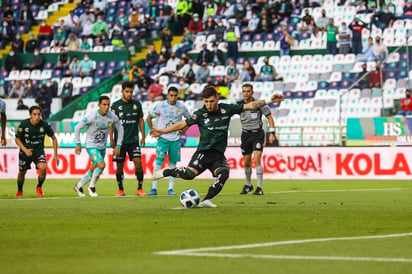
233 108
82 124
194 119
155 111
185 111
49 129
266 110
120 130
19 133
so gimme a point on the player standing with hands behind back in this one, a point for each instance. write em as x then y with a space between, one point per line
30 139
253 138
98 123
130 113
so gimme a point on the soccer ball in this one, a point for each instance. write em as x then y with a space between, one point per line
189 198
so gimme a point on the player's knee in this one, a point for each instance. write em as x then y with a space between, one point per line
101 165
187 174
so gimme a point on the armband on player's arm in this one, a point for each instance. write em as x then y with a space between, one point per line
119 146
78 144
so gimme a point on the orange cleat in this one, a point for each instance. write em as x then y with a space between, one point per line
39 192
140 192
19 194
121 193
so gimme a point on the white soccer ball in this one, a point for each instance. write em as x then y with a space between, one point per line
189 198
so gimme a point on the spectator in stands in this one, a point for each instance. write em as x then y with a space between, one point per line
232 38
164 55
285 40
126 71
229 10
100 5
26 18
151 58
202 73
204 55
322 22
72 23
368 54
63 61
116 36
285 9
133 19
73 43
12 62
7 33
210 9
31 44
379 49
18 44
244 75
8 16
308 23
357 26
134 74
21 105
87 29
216 56
331 40
37 61
219 31
86 66
182 15
232 73
187 43
44 99
144 81
103 39
182 88
383 19
30 91
406 104
377 77
363 79
59 38
85 17
171 64
45 33
166 13
265 24
155 92
253 24
122 20
267 72
195 24
17 91
166 36
344 39
210 25
99 26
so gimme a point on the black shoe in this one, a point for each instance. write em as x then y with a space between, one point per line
258 191
246 189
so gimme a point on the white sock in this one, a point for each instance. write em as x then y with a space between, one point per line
155 182
172 180
86 178
248 175
259 175
96 174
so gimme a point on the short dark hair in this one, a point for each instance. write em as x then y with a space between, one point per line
127 84
103 97
209 91
247 86
33 108
172 89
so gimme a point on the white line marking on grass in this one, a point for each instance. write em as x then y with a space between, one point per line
199 252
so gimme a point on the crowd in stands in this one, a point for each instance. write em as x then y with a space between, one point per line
228 23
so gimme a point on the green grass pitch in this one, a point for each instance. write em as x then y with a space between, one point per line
306 227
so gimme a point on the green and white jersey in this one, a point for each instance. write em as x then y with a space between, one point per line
97 129
32 136
168 115
267 70
129 114
214 126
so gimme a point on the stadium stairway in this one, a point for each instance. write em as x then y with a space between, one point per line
53 17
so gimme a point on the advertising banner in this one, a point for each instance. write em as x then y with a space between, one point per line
278 163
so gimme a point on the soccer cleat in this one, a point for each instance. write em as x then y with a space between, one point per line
207 203
171 192
258 191
246 189
39 192
159 174
153 192
92 192
19 194
120 193
140 192
79 191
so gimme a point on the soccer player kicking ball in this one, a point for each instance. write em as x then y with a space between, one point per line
30 139
98 123
130 113
213 122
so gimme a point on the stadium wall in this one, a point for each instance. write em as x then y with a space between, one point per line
383 163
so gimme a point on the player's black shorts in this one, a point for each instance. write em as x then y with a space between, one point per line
132 149
208 159
252 140
25 161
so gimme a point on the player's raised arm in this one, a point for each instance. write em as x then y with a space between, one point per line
260 103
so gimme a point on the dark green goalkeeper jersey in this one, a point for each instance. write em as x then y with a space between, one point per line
32 136
214 126
129 115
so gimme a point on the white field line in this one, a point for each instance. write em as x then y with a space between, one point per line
233 193
199 252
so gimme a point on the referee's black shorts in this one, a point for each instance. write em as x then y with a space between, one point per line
252 140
